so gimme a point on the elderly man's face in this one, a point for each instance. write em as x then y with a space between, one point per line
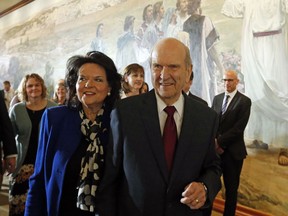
169 71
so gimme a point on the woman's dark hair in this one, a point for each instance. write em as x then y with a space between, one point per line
72 72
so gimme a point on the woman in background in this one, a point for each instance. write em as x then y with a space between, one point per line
60 93
144 88
73 139
25 117
132 80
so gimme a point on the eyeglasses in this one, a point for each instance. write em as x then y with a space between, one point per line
228 80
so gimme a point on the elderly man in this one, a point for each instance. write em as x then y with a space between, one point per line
161 159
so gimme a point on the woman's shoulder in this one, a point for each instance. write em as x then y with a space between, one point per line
61 110
62 114
18 106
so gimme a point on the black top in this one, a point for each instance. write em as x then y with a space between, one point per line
35 117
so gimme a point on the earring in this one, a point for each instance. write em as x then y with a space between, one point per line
108 93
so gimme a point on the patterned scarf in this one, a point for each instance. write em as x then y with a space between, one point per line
92 162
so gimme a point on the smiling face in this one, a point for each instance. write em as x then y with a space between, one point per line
92 86
61 91
135 79
33 88
169 70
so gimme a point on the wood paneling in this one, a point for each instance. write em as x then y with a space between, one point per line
7 6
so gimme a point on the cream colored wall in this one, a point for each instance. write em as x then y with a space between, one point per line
24 13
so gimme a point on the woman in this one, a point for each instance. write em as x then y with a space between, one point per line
25 117
133 80
73 139
60 91
144 88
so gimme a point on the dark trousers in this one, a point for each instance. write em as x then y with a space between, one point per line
231 175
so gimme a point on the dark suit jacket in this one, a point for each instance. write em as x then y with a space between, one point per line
2 93
6 132
197 98
136 180
232 124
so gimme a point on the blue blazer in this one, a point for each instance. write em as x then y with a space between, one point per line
60 135
136 179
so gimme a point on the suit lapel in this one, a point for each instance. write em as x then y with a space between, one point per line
232 103
152 127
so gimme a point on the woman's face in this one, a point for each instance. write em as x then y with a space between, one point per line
61 91
33 88
135 79
92 86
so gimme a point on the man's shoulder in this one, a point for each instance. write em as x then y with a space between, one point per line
243 96
197 98
198 106
220 95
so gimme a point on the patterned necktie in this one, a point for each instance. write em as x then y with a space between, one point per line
169 136
224 106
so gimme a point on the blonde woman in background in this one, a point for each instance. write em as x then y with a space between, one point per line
25 118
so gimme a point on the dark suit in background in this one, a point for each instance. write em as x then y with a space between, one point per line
230 138
2 93
6 137
197 98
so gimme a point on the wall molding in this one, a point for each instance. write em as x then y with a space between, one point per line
14 7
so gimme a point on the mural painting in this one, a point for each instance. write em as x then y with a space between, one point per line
249 37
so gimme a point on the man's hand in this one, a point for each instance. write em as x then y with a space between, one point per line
218 149
194 195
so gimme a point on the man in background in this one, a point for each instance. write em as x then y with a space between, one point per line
7 92
8 141
233 109
186 89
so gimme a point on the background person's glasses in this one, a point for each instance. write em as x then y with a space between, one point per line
227 80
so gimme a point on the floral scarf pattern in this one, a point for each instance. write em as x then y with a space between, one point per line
92 163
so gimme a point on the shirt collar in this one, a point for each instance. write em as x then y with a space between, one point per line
179 104
231 94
